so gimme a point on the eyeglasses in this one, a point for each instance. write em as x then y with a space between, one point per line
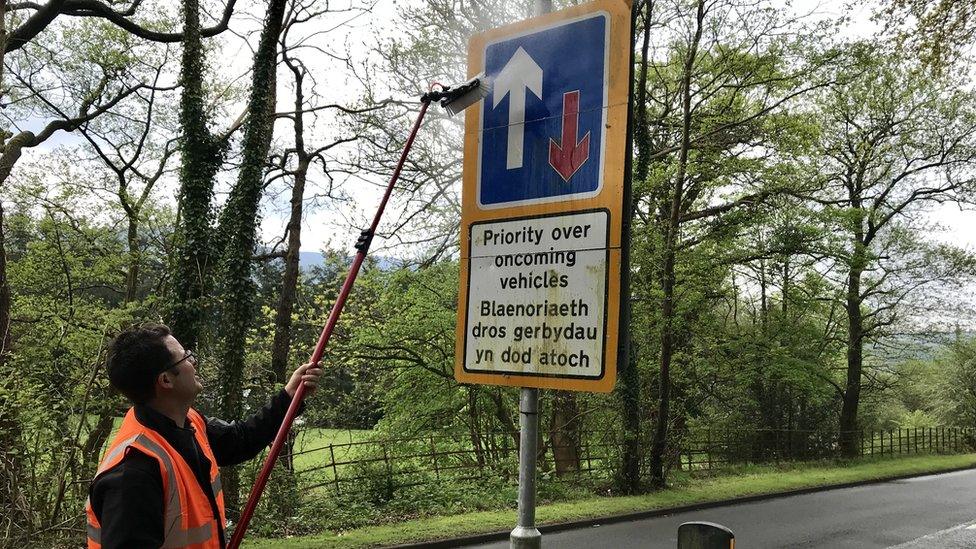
190 355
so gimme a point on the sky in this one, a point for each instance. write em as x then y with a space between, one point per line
354 33
951 224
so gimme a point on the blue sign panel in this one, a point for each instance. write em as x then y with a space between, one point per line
543 122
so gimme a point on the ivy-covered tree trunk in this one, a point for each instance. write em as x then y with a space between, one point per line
201 155
629 376
237 230
629 391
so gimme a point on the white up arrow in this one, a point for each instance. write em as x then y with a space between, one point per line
520 73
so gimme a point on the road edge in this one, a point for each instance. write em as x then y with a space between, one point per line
488 537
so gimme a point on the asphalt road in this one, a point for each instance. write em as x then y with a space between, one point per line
937 511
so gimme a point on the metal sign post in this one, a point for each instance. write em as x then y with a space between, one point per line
526 535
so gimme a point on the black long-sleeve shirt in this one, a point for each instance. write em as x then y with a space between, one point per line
128 499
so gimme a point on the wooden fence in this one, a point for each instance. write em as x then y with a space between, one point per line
394 463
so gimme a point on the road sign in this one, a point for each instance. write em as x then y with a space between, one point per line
548 93
542 200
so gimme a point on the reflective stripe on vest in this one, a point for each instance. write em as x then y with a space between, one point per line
215 486
94 532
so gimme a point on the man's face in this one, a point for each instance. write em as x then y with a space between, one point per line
186 384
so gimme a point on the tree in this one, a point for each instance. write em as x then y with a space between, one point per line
201 155
41 85
432 49
937 31
954 391
719 132
68 266
894 140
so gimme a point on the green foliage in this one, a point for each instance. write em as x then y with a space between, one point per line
937 31
954 395
67 276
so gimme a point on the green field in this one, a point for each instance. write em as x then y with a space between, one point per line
739 482
315 442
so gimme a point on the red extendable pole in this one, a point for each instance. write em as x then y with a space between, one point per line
279 441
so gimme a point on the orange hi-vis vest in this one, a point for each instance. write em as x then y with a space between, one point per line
188 520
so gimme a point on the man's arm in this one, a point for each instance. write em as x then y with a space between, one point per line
128 501
234 442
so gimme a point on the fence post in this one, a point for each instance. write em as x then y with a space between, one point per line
433 457
891 442
915 439
882 443
777 446
708 447
389 469
589 451
335 471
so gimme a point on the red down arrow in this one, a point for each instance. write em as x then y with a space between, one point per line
567 157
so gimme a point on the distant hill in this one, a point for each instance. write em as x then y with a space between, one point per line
307 260
918 346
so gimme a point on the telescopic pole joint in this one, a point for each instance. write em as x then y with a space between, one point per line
364 241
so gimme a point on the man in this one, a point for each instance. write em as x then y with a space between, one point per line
159 484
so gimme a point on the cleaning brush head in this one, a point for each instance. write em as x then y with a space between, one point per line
460 97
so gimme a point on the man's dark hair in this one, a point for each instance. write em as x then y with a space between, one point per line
135 358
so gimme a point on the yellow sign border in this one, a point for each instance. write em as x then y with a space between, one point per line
610 197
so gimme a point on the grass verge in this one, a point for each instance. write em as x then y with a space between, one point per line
746 481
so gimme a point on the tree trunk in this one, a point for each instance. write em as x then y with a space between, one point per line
629 375
630 401
473 427
564 436
201 156
855 351
289 286
10 431
786 288
642 134
763 299
237 231
659 445
504 417
132 273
